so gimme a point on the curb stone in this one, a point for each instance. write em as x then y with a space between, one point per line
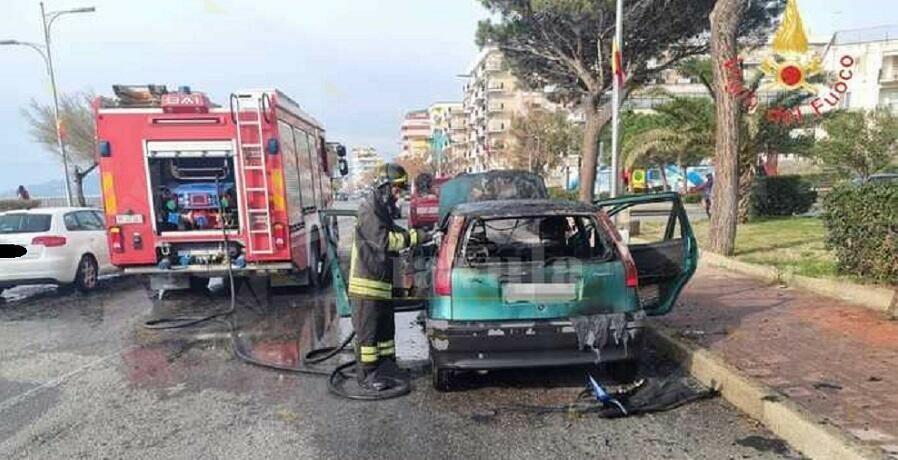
883 300
809 434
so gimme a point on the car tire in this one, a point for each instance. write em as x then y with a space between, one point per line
87 276
623 371
442 378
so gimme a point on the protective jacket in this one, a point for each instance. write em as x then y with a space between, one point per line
377 242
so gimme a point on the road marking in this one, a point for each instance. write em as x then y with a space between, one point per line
58 381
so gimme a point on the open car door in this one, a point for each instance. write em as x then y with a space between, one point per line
664 248
338 266
411 287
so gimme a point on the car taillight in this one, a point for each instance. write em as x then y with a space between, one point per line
442 276
280 235
117 239
49 241
631 274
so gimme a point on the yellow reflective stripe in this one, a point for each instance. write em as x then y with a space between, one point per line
371 283
367 350
413 237
368 358
395 241
369 288
388 351
370 292
108 186
388 343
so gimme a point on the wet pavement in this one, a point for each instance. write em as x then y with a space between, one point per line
80 377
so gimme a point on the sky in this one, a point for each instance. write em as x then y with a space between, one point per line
356 65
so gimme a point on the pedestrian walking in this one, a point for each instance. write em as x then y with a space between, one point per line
707 189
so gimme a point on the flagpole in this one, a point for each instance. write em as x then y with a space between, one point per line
615 101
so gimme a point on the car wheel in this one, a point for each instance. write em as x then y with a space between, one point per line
442 378
87 276
623 371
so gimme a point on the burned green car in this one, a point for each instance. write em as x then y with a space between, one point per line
537 283
542 283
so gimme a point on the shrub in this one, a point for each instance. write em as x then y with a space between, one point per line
14 204
862 229
782 196
692 198
559 193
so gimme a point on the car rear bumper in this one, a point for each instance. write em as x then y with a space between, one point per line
41 270
526 344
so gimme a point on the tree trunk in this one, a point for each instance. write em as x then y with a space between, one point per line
746 183
596 119
78 178
725 20
590 152
684 182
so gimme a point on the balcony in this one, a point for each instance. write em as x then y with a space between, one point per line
497 107
496 128
496 87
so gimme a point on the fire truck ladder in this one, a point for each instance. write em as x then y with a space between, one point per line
253 165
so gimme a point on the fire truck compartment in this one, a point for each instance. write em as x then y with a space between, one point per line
193 192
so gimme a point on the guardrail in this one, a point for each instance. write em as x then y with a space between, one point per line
60 201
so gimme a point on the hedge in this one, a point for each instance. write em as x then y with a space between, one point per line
14 204
560 193
692 198
862 229
782 196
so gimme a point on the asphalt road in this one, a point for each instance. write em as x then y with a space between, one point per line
80 378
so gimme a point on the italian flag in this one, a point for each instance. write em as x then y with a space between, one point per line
617 63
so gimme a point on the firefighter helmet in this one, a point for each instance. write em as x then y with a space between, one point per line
392 174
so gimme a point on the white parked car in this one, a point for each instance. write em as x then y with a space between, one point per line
65 246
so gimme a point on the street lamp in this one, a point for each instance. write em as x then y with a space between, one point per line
47 19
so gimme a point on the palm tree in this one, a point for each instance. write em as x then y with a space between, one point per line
681 132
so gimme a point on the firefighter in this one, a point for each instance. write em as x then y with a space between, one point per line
377 242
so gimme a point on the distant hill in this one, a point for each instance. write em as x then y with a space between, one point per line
55 188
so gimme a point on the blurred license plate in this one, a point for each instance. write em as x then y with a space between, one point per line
122 219
539 293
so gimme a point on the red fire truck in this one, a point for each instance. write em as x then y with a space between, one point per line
184 180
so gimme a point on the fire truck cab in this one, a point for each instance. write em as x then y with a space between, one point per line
184 180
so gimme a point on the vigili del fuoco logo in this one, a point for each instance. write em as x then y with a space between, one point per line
789 67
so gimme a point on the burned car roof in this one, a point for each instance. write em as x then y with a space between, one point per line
489 186
503 208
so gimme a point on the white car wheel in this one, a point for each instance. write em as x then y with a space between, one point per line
87 277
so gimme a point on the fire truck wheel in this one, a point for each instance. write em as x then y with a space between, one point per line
87 276
315 264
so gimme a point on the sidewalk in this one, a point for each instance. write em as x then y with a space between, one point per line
834 359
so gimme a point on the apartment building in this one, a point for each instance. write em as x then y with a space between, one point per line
447 132
874 82
492 97
415 133
362 160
